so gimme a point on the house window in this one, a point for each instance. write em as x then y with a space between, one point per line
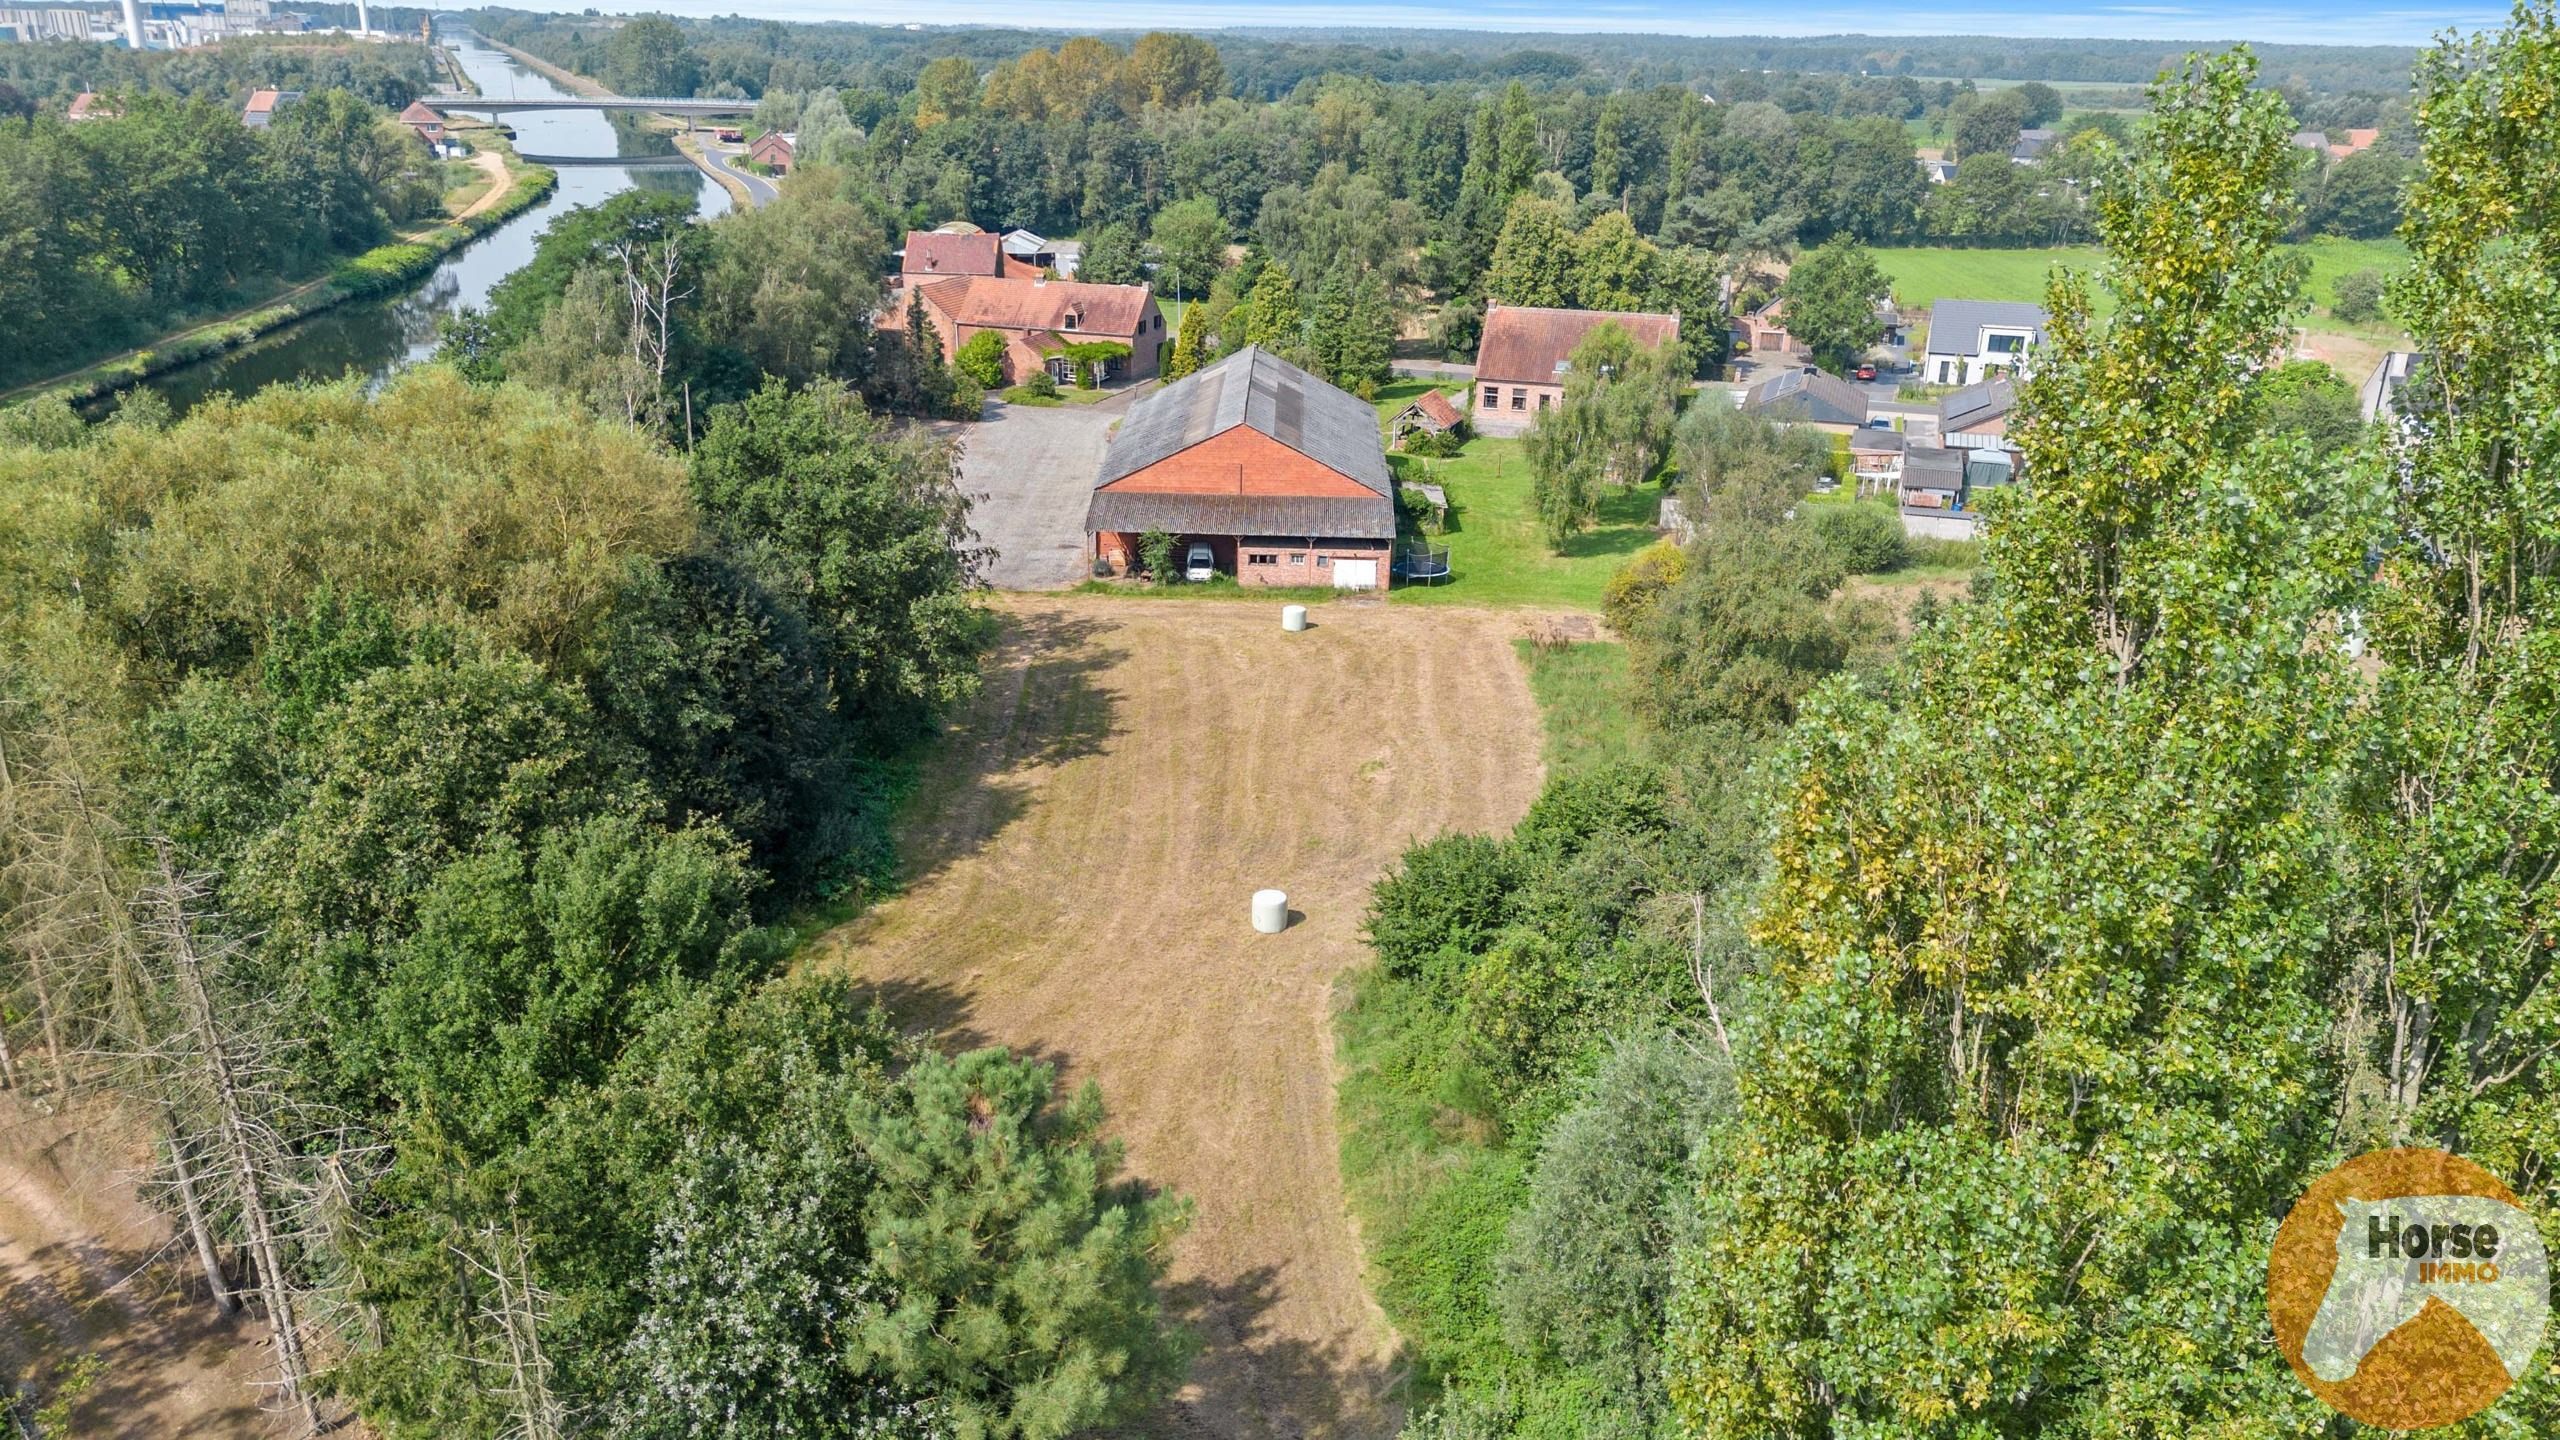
2005 344
1069 323
1324 562
1159 322
1542 402
1520 398
1261 558
1297 557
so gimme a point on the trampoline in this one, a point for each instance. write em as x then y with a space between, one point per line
1421 564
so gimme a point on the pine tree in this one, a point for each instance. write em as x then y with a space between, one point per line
1276 323
1190 344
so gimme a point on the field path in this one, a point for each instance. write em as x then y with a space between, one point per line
87 1268
1079 863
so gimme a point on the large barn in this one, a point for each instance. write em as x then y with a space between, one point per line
1277 476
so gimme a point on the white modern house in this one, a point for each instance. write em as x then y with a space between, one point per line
1969 340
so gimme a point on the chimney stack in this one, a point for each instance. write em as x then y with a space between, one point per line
132 24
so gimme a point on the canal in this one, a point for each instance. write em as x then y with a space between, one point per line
375 338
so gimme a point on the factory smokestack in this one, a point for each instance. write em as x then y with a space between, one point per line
132 24
364 18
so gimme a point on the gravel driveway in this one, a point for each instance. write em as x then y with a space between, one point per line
1028 472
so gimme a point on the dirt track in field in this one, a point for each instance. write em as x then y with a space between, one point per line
1080 859
87 1269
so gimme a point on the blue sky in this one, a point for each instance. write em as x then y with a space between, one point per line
2331 23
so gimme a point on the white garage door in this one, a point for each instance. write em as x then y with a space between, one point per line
1355 574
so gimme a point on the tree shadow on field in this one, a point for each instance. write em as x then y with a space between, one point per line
1248 1381
48 1327
1043 702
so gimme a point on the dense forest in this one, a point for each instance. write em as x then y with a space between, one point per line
114 228
1923 1037
47 75
1267 62
398 795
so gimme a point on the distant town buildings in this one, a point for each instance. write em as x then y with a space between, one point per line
163 24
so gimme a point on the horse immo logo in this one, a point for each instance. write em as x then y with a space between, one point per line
2408 1288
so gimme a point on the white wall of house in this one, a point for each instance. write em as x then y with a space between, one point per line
1998 349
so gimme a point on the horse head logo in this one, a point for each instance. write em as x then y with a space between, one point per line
2480 1256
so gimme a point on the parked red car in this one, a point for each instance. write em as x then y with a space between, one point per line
1866 372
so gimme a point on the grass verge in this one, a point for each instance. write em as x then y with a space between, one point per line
1582 691
1498 553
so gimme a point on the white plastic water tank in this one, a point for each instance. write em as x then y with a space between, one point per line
1293 617
1270 911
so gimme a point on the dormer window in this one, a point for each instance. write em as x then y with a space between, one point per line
1070 321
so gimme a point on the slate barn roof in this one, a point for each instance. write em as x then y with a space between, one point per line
1286 516
1528 344
1257 388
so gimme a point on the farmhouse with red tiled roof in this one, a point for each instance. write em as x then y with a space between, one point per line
1521 361
1038 318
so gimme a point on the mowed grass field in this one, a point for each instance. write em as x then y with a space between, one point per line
1077 859
1497 553
1925 274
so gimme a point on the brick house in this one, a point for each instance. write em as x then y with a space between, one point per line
1521 361
426 121
940 252
1038 318
1280 476
265 105
1977 417
775 150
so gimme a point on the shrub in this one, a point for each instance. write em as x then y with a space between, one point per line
981 358
1435 445
1042 385
1866 539
1444 903
1155 554
1640 582
2359 297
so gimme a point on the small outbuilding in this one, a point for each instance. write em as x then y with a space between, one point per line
1429 414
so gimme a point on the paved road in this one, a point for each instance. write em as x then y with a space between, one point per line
760 191
1433 369
1028 472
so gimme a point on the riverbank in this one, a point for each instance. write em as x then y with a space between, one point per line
377 272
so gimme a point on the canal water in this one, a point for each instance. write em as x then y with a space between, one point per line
376 337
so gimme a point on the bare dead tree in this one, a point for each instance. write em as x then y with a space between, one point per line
650 273
248 1154
191 1205
516 1308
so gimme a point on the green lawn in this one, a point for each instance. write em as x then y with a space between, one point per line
1582 694
1496 554
1926 274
